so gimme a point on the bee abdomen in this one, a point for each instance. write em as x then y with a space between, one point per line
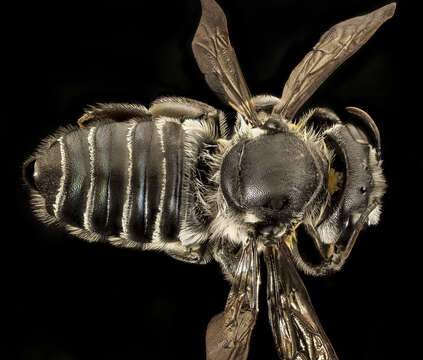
118 180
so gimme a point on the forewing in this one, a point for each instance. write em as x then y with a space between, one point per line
228 334
334 47
296 329
218 62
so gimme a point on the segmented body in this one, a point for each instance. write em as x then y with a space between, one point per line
117 180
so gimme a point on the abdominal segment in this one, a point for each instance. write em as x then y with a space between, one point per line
113 180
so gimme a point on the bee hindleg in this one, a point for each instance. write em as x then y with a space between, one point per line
114 112
184 108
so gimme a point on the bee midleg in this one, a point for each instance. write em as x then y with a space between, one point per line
194 255
117 112
227 255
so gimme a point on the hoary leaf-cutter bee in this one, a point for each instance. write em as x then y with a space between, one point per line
175 178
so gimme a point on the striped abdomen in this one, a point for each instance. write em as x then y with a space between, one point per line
114 180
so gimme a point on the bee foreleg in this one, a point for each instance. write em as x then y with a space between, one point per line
333 258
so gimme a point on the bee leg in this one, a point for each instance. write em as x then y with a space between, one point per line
333 256
328 265
227 256
113 112
193 255
183 108
322 117
326 114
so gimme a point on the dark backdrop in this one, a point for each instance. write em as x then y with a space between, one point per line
70 300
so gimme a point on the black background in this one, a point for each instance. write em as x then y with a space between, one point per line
67 299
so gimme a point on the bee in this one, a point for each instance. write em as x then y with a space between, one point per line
176 178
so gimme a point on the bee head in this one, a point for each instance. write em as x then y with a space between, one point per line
358 200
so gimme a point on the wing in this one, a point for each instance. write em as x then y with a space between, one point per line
228 334
334 47
296 329
217 61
